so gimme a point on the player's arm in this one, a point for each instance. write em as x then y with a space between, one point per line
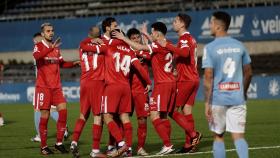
134 45
142 71
143 54
183 51
208 85
247 73
68 64
93 48
41 52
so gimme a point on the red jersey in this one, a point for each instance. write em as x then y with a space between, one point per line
48 65
186 58
118 60
161 63
92 66
138 85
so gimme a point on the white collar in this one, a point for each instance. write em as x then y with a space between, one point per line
106 37
44 42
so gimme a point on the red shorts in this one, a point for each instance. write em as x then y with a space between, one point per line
163 97
91 92
140 104
117 99
45 97
186 93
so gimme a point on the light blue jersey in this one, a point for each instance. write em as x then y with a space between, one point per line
226 56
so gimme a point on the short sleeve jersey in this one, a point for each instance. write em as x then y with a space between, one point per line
226 56
161 62
48 67
92 66
118 60
187 66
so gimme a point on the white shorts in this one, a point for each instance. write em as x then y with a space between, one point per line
229 118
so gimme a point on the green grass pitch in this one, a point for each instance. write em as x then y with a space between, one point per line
263 130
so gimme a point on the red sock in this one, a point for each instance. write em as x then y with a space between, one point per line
43 129
167 124
115 131
96 135
128 133
182 122
80 123
190 121
61 125
141 133
187 141
162 132
112 140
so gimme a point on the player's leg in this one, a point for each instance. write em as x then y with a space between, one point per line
42 100
1 120
158 103
97 123
37 116
112 96
236 120
140 101
218 127
59 101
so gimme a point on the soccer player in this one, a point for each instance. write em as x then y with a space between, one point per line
163 94
227 72
48 89
139 95
117 94
1 120
91 90
187 81
37 37
109 24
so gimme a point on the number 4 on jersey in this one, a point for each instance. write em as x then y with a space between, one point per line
229 67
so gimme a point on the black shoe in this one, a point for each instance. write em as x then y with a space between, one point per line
75 150
184 150
46 151
60 148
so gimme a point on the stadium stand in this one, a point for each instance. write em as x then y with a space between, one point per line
46 9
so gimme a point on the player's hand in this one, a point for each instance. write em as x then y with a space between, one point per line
118 35
148 89
175 73
144 29
162 43
75 63
97 41
57 42
208 113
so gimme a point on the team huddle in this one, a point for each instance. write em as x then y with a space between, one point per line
115 81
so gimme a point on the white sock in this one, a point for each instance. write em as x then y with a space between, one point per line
121 143
74 142
59 143
95 150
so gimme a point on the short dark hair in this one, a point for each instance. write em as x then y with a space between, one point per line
186 19
37 34
132 31
159 26
44 25
107 23
224 17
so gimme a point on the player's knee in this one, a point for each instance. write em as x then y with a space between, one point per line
218 137
97 120
45 113
187 109
142 120
236 136
107 118
61 106
154 115
124 118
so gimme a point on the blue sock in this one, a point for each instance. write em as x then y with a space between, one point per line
219 150
37 115
241 148
54 115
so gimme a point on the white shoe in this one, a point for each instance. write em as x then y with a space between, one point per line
36 139
99 155
141 152
1 121
165 150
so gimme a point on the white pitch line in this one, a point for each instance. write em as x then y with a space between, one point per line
209 152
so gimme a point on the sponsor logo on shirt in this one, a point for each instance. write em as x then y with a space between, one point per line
229 86
228 50
51 60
